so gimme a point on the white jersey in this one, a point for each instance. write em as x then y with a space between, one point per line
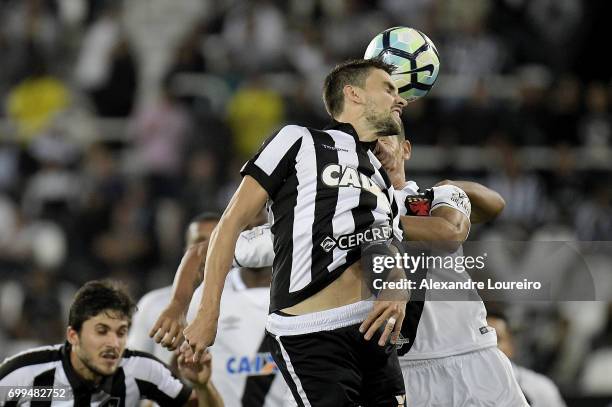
253 249
149 307
243 369
444 328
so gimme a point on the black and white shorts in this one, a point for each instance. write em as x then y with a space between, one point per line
326 361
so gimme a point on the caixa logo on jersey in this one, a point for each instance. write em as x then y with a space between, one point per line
348 241
259 365
337 176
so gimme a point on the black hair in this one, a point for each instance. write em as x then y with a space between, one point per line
353 72
98 296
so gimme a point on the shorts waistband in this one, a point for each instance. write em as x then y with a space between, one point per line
327 320
445 360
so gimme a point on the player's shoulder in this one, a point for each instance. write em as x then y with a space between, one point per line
284 138
31 358
134 360
135 355
412 188
293 128
157 296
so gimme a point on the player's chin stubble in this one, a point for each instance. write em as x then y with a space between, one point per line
382 124
90 365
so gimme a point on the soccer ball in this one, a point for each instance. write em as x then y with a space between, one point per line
414 55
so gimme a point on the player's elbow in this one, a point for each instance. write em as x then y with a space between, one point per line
452 237
497 205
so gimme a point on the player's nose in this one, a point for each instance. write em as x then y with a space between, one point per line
401 101
114 342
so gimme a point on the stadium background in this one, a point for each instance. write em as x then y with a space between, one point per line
121 120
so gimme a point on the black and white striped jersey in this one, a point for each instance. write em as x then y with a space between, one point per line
328 194
139 376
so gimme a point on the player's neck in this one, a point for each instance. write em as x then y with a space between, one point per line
364 130
82 370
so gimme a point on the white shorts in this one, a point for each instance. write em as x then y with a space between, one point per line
480 378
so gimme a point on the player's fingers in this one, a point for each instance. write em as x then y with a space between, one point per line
198 352
185 347
206 358
376 323
387 312
169 339
155 327
162 331
389 327
396 329
178 340
159 324
187 353
371 317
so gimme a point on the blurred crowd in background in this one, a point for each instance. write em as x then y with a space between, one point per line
120 120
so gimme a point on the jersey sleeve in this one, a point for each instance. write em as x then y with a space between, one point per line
452 197
156 382
254 248
11 378
275 160
139 331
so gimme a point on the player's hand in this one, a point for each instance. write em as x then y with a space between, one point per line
388 313
197 373
200 334
168 330
392 163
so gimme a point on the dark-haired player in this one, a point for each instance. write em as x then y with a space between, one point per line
450 356
94 368
322 185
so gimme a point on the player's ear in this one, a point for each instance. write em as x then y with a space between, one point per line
406 150
72 336
353 94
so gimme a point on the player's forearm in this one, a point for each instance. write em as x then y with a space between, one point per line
430 229
188 276
445 226
208 396
486 203
219 260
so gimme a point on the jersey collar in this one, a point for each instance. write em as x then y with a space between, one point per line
349 129
78 384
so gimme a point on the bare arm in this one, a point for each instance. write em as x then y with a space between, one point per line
168 329
444 225
486 203
243 207
204 393
208 396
